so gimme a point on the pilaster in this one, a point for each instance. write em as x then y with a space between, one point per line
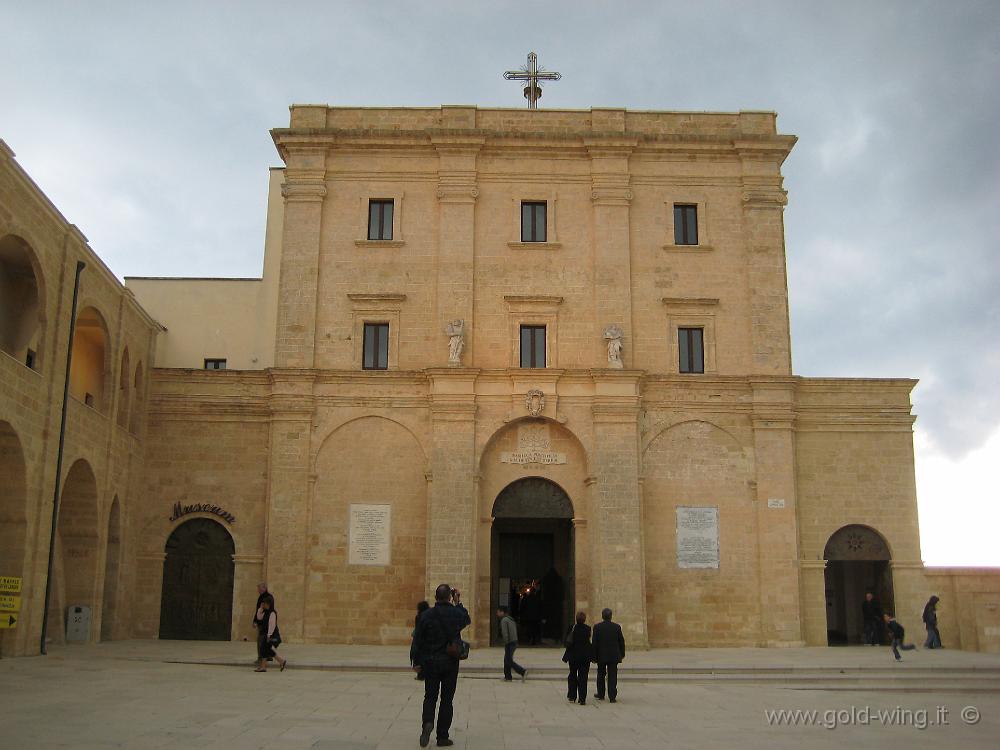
776 516
289 484
812 586
304 191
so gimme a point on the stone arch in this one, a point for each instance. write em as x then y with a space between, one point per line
137 400
124 389
697 463
112 572
662 428
13 507
561 430
89 373
196 599
21 301
416 439
533 497
371 460
75 564
858 560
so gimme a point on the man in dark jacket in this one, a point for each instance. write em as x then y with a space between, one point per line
436 628
897 633
609 651
871 611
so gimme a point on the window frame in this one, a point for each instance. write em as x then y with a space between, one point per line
682 233
216 361
533 330
533 206
380 204
380 346
686 332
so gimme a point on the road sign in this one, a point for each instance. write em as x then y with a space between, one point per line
10 584
9 603
8 620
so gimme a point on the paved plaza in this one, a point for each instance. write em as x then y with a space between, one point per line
172 694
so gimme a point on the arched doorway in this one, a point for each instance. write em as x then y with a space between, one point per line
109 608
197 598
857 562
75 564
532 558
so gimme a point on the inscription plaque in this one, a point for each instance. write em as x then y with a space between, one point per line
697 537
369 534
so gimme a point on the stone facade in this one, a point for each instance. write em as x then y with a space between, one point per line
287 451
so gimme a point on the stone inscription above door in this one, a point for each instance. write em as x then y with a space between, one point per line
534 446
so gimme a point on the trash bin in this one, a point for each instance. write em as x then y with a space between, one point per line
77 623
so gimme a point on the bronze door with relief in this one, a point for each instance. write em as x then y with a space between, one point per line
197 598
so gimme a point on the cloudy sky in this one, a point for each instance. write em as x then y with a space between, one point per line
147 125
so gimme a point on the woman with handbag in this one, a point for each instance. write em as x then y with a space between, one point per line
268 635
578 655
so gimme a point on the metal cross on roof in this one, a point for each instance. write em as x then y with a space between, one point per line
533 75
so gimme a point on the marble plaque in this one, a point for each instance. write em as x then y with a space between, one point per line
697 537
370 540
534 446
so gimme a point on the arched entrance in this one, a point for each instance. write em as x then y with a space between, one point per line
20 301
532 558
857 562
75 563
197 598
13 502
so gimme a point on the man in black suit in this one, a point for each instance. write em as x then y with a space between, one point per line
609 651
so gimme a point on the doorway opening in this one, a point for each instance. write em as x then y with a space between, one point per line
858 562
532 560
198 572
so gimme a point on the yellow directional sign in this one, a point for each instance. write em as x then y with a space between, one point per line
10 603
8 620
10 584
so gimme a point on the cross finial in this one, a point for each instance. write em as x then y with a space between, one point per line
532 75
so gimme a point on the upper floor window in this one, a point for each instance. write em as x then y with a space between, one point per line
380 219
532 346
685 224
215 364
691 350
533 221
376 347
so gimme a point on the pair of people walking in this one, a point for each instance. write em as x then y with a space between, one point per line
605 647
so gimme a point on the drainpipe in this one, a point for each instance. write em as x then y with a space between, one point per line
80 265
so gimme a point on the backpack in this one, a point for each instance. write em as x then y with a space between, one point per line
456 648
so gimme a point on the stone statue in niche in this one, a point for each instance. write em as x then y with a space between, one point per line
614 333
456 342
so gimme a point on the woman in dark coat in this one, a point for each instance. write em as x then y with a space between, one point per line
578 655
930 620
268 635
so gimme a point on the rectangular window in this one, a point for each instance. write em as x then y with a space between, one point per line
215 364
685 224
380 219
533 221
691 349
376 346
29 358
532 346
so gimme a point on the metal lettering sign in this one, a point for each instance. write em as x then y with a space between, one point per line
9 603
10 584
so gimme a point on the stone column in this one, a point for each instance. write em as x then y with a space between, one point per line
764 231
304 191
289 478
775 503
910 592
812 587
453 512
611 196
616 529
457 192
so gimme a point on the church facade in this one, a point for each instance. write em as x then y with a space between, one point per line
502 349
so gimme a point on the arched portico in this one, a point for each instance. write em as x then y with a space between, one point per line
858 560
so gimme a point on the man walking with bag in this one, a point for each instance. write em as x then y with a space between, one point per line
508 634
609 651
437 643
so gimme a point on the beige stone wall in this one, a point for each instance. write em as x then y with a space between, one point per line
969 610
102 459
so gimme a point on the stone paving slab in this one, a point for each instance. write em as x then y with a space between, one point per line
125 696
